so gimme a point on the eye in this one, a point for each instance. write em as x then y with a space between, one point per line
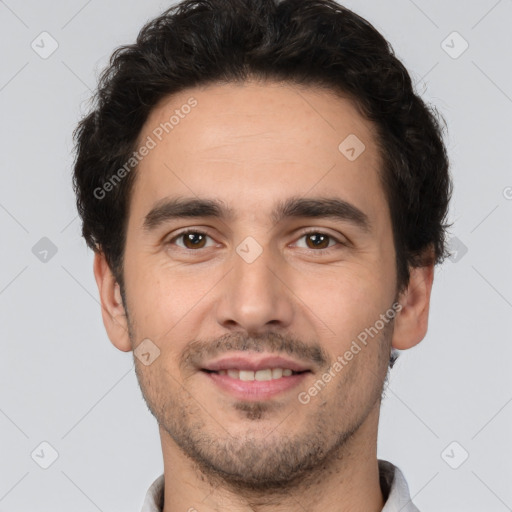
318 241
191 239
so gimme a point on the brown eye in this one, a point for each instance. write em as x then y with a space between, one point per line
194 240
191 240
318 240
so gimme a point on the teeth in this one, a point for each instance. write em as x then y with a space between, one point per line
263 375
246 375
260 375
277 373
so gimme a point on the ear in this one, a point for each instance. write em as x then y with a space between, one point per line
412 322
112 308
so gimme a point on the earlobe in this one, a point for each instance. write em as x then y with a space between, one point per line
112 308
412 322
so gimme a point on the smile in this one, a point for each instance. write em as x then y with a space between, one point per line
260 375
251 386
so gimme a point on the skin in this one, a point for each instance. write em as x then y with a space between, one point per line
252 145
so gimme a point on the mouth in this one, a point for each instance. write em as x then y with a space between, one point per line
255 377
259 375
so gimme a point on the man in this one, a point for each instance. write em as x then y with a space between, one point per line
266 197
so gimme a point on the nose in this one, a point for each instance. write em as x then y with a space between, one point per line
255 296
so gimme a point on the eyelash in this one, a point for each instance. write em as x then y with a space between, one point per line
303 234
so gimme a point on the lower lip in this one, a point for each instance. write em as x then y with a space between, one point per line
254 390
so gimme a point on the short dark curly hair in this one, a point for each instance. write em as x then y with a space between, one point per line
316 43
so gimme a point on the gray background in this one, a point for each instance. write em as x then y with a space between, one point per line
61 381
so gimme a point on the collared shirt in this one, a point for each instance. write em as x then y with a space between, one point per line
392 482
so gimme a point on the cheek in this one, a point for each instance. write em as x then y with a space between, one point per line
163 298
347 299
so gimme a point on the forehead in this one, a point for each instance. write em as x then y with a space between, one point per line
252 142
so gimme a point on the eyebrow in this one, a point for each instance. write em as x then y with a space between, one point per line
295 207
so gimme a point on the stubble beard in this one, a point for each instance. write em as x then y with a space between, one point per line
253 463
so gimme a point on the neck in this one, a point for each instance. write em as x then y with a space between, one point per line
347 481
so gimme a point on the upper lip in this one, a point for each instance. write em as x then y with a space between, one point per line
254 363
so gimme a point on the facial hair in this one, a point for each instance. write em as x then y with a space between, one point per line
253 463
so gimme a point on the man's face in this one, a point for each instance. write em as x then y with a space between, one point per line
250 287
